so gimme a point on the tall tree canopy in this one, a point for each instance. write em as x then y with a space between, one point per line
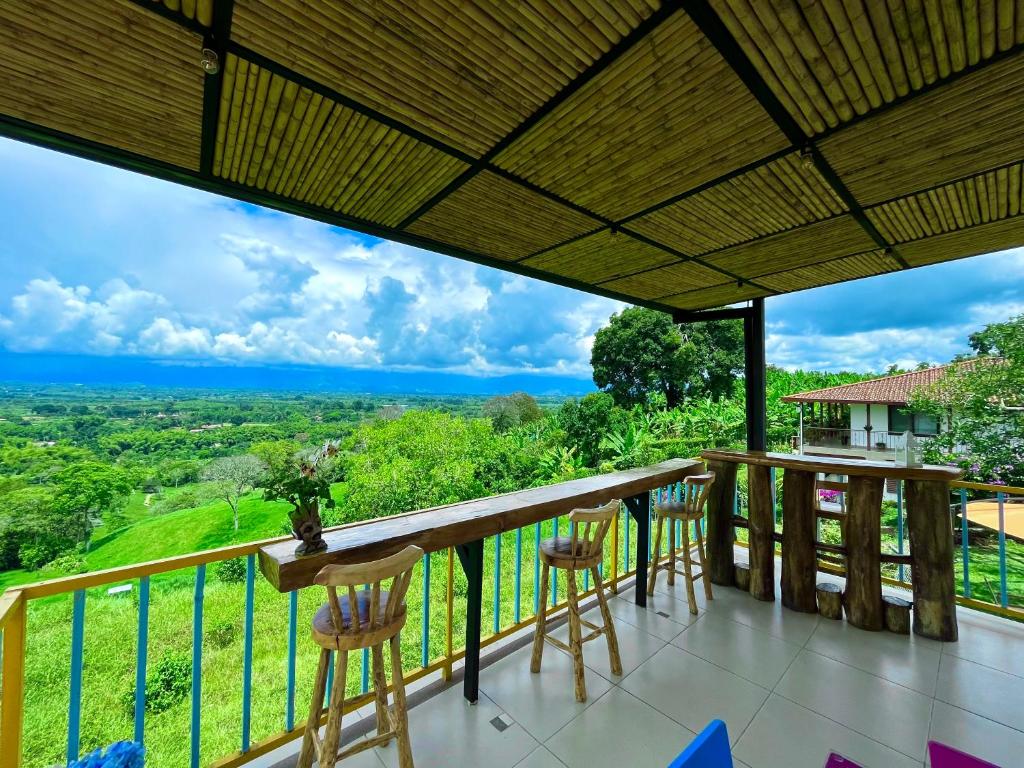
986 401
641 353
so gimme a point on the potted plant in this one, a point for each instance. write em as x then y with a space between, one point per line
302 484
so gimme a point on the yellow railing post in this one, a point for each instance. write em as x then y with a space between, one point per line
12 694
446 670
615 553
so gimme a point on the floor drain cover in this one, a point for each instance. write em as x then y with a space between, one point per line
500 724
662 614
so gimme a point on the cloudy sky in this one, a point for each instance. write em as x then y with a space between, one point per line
101 261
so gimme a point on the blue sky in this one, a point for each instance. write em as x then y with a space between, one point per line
101 261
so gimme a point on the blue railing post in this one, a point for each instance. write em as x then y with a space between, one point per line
293 618
519 576
197 662
141 648
553 572
364 684
1004 598
899 523
425 641
965 545
77 649
250 605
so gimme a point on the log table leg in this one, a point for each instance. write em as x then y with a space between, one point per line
864 553
761 540
931 553
799 559
721 533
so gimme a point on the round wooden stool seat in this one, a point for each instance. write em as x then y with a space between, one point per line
678 510
326 636
558 553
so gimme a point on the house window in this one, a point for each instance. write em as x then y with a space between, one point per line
901 420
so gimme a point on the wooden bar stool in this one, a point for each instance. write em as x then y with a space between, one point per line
361 619
690 509
581 551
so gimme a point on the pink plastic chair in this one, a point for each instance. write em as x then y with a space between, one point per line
943 756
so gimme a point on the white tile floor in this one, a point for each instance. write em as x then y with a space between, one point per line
790 687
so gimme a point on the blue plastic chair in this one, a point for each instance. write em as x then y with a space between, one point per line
709 750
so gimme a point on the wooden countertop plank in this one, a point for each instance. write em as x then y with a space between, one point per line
828 464
442 527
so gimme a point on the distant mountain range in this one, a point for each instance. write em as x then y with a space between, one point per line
126 371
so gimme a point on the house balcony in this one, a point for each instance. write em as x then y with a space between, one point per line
853 443
792 687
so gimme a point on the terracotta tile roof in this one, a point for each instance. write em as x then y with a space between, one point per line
887 389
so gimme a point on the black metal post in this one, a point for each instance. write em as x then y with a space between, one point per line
754 375
639 507
471 556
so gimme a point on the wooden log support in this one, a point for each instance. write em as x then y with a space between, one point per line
897 614
799 564
864 553
830 600
761 541
741 572
721 534
931 552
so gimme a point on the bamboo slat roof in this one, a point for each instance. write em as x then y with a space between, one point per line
681 155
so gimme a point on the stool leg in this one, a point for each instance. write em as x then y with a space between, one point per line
691 596
308 752
332 734
401 712
380 685
575 636
653 578
700 556
671 552
609 627
542 615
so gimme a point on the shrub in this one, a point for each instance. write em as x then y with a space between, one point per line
169 683
68 564
36 554
230 571
222 634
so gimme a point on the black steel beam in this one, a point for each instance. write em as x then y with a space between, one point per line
715 30
608 58
755 377
702 316
471 556
216 39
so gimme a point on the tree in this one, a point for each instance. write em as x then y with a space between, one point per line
509 411
277 456
87 491
585 423
233 476
641 353
984 397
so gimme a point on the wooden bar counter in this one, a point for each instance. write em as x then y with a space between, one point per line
928 520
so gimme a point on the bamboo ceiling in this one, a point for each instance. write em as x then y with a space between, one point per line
681 155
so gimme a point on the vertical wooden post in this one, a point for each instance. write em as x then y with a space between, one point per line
762 527
12 703
799 560
721 533
864 553
931 552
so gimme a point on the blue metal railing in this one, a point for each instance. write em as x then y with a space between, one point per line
197 663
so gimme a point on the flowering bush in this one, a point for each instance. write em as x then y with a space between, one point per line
123 754
832 497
